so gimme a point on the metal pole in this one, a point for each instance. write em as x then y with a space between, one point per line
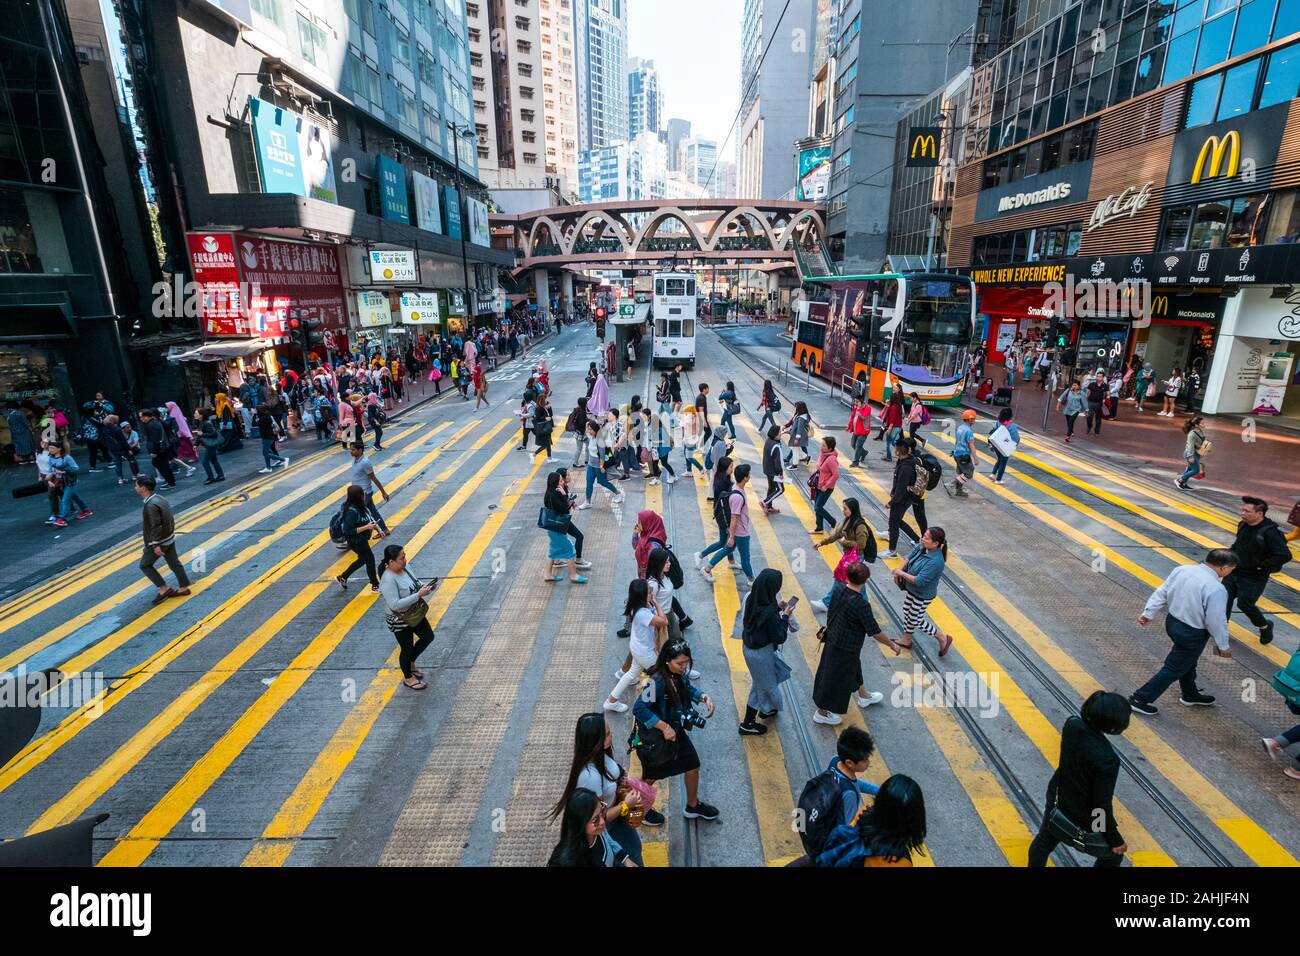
929 246
464 257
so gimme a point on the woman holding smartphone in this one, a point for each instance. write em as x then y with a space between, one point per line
404 595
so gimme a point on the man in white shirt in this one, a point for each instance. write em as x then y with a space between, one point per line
1195 604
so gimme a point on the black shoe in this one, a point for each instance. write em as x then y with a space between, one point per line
210 481
653 818
222 478
687 622
1143 708
1197 700
752 729
701 810
1266 633
768 715
623 632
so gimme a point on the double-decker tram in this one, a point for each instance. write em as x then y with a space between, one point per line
674 319
911 331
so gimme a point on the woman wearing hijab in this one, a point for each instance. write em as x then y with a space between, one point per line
225 415
648 533
598 402
764 628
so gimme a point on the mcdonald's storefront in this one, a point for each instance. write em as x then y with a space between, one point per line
1183 333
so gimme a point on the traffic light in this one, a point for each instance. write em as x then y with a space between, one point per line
313 333
600 322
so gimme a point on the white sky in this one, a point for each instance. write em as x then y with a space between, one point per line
696 48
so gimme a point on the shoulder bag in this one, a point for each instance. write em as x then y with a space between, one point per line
549 520
413 616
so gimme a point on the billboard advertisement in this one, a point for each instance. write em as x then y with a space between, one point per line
281 276
421 308
373 309
293 152
814 174
428 209
392 189
212 260
393 265
478 222
317 161
452 202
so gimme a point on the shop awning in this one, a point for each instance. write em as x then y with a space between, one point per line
216 351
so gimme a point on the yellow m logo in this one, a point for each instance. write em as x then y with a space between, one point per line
1160 305
926 146
1215 149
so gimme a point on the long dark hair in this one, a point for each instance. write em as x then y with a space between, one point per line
854 519
638 596
356 498
894 827
654 566
801 408
1191 423
588 749
721 479
573 849
674 684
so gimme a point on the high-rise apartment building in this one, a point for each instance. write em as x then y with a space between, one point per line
560 93
505 54
774 98
643 102
600 65
698 158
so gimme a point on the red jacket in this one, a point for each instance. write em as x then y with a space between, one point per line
860 420
828 470
893 416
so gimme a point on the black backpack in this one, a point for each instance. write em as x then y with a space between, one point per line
675 575
819 808
336 528
722 509
933 469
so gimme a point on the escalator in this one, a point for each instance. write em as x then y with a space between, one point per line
812 261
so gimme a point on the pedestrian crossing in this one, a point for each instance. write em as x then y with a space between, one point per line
245 684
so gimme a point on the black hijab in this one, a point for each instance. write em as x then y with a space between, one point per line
760 606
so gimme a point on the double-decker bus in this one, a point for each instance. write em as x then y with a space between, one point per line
846 332
674 319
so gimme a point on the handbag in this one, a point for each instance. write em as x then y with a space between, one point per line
651 746
413 616
1207 446
1293 519
1075 836
1001 440
549 520
850 556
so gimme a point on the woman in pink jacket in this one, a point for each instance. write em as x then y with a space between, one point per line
823 483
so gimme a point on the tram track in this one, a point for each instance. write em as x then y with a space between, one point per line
1030 805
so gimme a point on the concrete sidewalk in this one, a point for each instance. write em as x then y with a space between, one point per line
1259 460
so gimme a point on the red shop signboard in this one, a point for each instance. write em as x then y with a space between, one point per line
282 280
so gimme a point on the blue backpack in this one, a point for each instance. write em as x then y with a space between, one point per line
844 846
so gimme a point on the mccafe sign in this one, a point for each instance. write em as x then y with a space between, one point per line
1124 205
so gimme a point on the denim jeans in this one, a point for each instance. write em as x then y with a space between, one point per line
741 546
859 448
1193 468
1000 469
267 454
70 498
130 460
211 464
819 509
890 437
1180 664
726 423
839 586
595 475
692 461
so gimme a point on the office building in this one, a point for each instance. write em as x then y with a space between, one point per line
560 94
600 65
677 131
643 104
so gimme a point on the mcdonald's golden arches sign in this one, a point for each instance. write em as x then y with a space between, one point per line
1223 155
923 145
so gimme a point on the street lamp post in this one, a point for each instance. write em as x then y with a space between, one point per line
458 132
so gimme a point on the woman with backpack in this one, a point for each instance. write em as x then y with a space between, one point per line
1013 432
917 416
356 530
730 407
857 541
1195 446
592 375
1072 404
822 483
770 405
661 713
799 427
764 628
891 426
886 831
849 622
663 394
375 418
594 768
527 408
576 425
772 471
919 576
408 613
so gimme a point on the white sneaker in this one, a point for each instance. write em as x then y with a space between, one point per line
617 706
874 697
190 471
285 462
818 605
584 506
653 481
830 719
264 471
582 565
693 674
706 574
619 498
889 554
699 560
672 480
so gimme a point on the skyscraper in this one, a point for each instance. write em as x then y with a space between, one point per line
560 93
600 66
699 156
506 69
774 99
679 130
643 104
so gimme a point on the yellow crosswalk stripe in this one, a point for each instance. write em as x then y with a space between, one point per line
47 744
773 799
295 815
136 847
77 621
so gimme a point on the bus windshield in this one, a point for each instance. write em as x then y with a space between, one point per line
936 332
